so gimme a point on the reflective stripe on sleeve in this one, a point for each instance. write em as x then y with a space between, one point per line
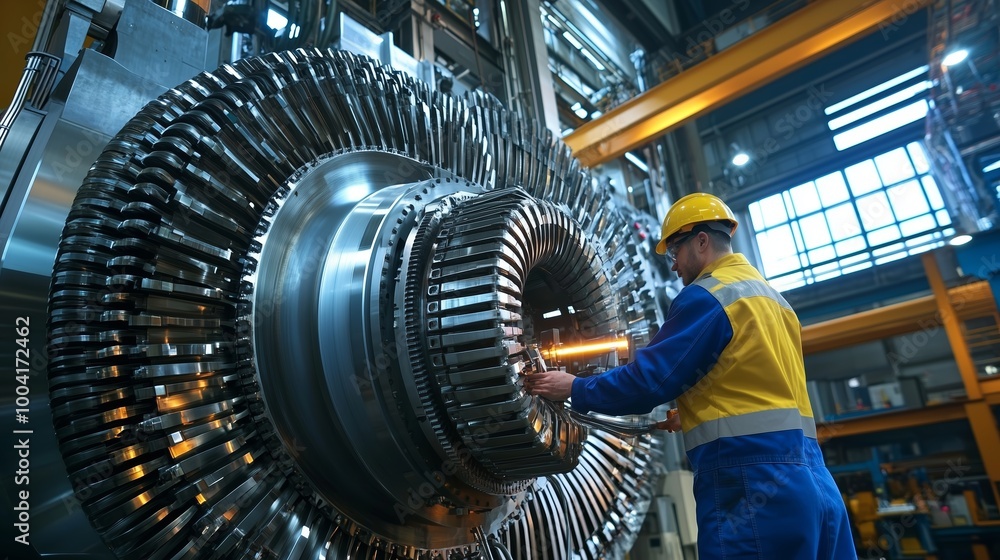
728 293
752 423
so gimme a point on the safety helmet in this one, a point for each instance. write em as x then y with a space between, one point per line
694 209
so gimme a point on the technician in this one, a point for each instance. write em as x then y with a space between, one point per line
730 354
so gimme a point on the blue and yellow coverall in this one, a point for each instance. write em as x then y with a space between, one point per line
730 353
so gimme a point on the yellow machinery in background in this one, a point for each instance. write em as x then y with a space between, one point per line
920 507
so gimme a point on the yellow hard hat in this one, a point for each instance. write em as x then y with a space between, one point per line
694 209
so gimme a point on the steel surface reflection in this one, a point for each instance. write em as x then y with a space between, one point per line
310 340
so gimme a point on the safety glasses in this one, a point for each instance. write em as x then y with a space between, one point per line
673 247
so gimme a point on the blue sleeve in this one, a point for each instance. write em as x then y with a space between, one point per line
686 347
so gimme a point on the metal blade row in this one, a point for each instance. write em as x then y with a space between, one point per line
153 394
594 511
472 330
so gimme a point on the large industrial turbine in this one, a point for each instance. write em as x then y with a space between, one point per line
289 314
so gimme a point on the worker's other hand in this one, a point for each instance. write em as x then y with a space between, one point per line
554 385
672 423
673 420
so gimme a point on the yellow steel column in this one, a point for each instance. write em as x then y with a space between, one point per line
980 415
984 430
776 50
953 328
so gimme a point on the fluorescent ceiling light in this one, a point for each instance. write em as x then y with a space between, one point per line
637 162
551 314
954 58
877 127
992 167
960 239
572 40
884 103
593 60
876 90
741 159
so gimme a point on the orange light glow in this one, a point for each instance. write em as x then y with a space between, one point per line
592 348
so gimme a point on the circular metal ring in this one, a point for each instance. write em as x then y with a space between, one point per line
217 338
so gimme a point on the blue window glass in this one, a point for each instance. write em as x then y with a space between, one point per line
875 211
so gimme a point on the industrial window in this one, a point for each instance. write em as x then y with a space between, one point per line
875 211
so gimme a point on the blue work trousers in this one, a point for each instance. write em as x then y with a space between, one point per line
771 510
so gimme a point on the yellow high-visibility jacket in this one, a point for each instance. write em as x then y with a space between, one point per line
730 353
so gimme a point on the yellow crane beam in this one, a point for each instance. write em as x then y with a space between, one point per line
783 46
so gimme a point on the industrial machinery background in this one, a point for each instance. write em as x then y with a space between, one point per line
289 313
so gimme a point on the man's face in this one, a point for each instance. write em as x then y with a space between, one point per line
685 258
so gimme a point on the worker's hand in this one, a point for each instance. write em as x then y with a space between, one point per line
554 385
673 421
